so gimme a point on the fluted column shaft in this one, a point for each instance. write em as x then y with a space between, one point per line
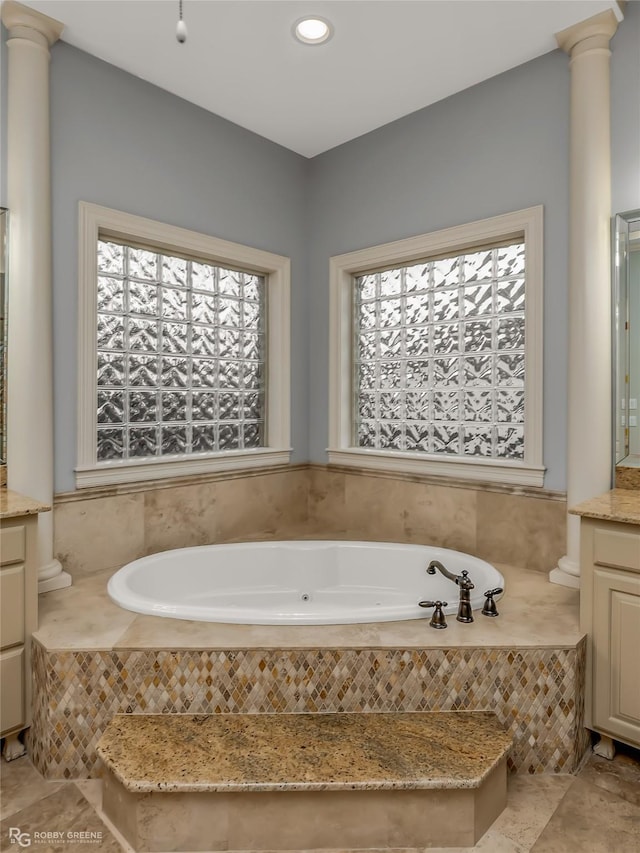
589 386
30 328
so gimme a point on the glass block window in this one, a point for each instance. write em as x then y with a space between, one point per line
439 355
181 355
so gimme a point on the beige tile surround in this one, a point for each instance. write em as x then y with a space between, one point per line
93 660
98 530
304 820
101 529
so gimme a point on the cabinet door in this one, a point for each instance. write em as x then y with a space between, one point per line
12 605
11 689
616 641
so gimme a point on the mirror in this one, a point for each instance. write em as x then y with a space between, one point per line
626 339
3 346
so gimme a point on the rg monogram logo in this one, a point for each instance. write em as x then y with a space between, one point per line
17 837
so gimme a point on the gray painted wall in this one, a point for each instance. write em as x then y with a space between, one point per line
126 144
625 112
497 147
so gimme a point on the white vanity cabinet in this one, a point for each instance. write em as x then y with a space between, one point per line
610 615
18 617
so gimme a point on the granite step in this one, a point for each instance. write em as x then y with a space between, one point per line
304 781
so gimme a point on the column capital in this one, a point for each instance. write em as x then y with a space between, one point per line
593 34
24 22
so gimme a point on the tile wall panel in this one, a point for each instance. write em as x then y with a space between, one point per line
106 531
94 533
521 530
538 694
501 526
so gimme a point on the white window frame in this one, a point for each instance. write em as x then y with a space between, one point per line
527 224
97 222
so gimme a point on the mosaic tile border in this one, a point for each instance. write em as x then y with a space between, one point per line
582 734
538 694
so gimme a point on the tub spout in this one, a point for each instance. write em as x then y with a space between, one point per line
463 581
436 564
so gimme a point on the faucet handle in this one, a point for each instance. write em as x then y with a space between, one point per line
490 608
464 581
437 620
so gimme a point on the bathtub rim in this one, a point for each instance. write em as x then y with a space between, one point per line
129 600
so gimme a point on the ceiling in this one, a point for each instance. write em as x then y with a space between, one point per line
387 58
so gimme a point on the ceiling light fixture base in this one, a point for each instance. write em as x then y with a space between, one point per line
312 29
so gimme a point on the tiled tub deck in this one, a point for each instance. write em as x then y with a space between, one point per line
92 660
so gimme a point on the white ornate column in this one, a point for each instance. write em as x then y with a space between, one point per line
30 332
589 451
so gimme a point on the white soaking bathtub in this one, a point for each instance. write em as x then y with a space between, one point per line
297 582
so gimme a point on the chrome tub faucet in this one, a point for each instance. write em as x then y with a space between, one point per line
463 581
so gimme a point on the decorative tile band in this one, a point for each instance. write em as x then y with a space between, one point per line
538 694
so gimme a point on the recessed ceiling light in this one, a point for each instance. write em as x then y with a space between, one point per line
312 30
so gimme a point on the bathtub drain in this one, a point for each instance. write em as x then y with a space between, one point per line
305 596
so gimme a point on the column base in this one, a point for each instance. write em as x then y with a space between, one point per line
52 577
567 573
49 570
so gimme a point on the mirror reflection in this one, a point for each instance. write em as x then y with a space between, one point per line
3 346
626 338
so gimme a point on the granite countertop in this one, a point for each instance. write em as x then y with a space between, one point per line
303 752
13 504
621 505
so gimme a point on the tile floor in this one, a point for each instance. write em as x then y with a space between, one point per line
595 811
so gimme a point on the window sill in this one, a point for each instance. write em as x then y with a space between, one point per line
112 473
484 470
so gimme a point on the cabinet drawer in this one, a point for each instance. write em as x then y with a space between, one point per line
11 545
11 689
12 605
614 548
